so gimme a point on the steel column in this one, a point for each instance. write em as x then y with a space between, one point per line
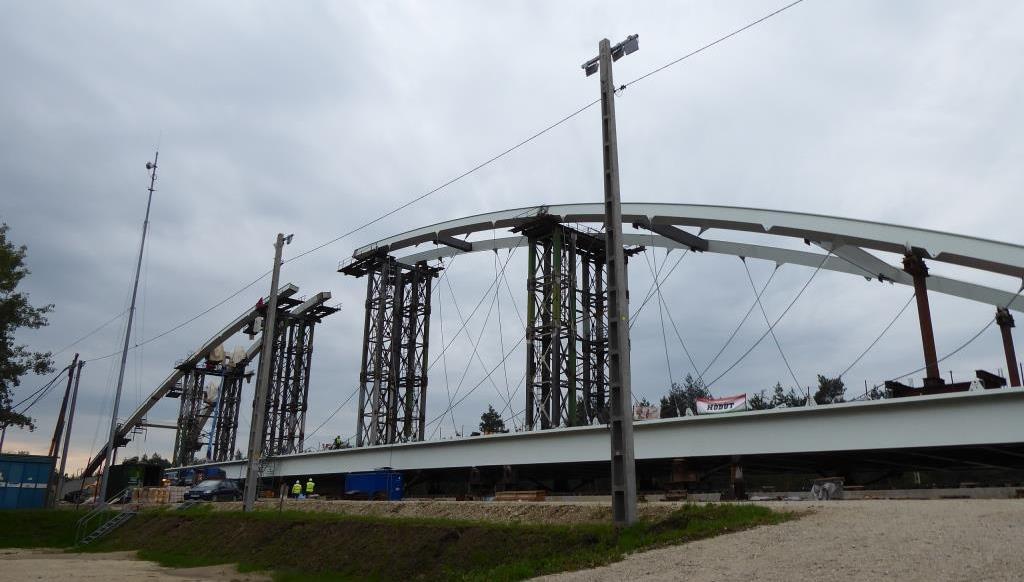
916 268
1005 322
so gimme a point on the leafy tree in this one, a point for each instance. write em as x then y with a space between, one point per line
156 459
760 401
16 312
780 397
682 397
491 422
830 390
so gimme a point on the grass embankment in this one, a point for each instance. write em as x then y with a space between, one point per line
38 528
326 546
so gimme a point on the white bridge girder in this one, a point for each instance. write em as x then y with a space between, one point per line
991 417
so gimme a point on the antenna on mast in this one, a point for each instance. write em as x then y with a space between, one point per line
114 437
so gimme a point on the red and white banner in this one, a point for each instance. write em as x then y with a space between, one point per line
718 405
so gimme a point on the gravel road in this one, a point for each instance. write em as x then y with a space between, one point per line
839 541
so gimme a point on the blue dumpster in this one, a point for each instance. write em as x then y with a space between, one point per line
24 480
381 484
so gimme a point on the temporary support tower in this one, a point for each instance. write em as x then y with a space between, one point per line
287 398
567 326
396 341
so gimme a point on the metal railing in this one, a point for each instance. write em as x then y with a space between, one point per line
82 527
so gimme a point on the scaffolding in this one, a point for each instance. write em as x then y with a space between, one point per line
396 341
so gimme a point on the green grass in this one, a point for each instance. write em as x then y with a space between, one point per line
331 546
38 528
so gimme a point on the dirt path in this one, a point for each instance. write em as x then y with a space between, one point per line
848 541
108 567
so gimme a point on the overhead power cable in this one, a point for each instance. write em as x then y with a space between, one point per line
713 43
90 334
462 175
39 392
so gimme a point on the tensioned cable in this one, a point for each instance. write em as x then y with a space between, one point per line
501 328
476 345
772 326
768 321
485 295
738 327
480 383
969 341
663 303
876 340
444 358
466 173
651 290
661 316
679 336
336 410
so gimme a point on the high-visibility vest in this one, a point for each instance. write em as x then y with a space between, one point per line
296 489
309 486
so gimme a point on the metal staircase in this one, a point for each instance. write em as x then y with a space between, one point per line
108 526
266 469
83 535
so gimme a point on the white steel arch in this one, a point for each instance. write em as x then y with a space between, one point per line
846 238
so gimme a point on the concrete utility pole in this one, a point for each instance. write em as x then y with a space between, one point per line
67 433
112 441
259 401
620 394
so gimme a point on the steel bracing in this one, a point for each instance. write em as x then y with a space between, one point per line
170 386
396 331
567 326
287 397
193 412
225 427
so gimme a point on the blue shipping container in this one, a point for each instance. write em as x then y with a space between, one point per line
384 484
23 481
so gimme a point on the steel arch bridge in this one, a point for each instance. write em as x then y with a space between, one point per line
566 320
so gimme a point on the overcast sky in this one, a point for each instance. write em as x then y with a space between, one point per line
313 118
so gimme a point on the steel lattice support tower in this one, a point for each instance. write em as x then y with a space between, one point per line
192 415
288 392
225 430
566 330
396 341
